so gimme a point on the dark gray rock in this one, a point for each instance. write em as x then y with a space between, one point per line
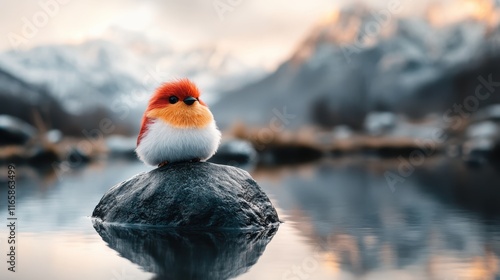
54 136
187 254
193 195
488 113
77 155
235 152
121 147
379 123
482 140
475 152
482 130
14 131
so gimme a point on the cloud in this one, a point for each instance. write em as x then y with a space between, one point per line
258 31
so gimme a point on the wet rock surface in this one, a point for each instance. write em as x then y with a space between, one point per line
189 195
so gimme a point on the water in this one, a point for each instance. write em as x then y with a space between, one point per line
341 221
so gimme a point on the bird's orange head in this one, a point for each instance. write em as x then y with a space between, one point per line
178 104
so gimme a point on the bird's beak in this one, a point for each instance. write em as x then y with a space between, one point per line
190 100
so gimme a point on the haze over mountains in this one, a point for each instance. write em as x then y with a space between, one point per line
112 77
354 61
344 69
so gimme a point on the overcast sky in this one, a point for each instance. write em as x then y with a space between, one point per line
259 32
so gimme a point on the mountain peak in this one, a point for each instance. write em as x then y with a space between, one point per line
352 25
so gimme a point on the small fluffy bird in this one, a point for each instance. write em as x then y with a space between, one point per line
177 126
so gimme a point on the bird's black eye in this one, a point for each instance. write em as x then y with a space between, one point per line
173 99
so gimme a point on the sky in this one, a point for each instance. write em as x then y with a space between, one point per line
258 32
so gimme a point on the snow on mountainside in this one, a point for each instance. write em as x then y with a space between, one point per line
80 76
102 73
344 69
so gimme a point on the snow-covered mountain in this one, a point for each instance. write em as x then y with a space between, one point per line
80 76
346 67
121 70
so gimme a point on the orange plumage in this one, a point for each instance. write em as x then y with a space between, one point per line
159 106
177 126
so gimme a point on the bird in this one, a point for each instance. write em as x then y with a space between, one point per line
177 126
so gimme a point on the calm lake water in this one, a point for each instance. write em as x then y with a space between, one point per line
341 221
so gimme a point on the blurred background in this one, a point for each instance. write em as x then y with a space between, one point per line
374 126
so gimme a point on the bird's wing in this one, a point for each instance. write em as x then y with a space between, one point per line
144 125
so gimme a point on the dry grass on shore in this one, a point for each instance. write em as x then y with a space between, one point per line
326 142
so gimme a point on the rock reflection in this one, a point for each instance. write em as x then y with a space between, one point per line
182 254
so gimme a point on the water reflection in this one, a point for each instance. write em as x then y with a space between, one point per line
177 254
342 221
441 222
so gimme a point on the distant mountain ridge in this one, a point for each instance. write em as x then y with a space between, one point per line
410 67
102 76
27 101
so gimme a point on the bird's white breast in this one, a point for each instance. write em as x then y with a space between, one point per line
163 142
